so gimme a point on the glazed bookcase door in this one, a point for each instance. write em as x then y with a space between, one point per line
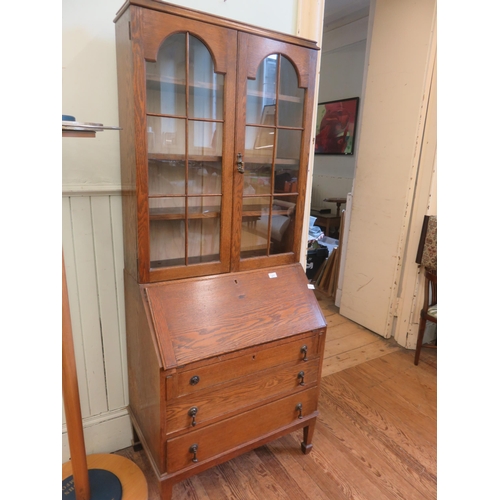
188 131
275 90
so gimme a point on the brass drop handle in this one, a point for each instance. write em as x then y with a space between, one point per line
240 164
194 380
192 413
301 376
194 451
303 349
299 409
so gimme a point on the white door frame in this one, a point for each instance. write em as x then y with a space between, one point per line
400 63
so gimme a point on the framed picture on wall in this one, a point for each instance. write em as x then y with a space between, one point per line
336 127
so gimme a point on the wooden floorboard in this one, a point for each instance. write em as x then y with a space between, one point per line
375 439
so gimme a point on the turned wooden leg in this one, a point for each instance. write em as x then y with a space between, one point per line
306 445
166 490
420 338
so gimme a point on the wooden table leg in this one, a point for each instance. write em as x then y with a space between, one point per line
71 399
166 487
306 445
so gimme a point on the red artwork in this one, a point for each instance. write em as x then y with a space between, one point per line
336 126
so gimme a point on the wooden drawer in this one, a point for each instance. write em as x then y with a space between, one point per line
238 430
235 365
240 393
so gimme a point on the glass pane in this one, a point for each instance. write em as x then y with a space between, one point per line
166 78
204 229
288 144
259 142
284 205
204 177
255 206
257 179
204 206
291 97
261 92
257 226
166 177
260 138
205 139
285 179
282 225
258 160
167 242
166 136
206 88
166 208
254 228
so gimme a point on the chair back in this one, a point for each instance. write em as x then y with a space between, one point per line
427 248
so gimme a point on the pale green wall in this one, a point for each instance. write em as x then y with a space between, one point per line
89 85
277 15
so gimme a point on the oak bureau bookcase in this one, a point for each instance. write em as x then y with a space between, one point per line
224 338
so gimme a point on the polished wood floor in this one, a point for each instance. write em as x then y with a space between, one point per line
375 438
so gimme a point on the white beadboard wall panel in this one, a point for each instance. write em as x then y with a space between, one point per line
117 229
88 302
102 223
327 186
93 251
76 323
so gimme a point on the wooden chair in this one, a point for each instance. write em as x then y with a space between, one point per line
427 258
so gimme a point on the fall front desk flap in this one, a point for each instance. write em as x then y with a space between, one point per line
199 318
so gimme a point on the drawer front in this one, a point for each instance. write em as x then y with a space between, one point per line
205 406
250 361
238 430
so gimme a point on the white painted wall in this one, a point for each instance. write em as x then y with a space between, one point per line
341 77
89 85
278 15
89 92
394 113
91 202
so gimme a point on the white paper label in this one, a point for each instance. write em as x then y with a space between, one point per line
273 275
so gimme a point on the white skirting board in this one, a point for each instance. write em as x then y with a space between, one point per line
104 433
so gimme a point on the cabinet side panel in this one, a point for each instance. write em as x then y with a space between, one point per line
305 147
143 370
124 65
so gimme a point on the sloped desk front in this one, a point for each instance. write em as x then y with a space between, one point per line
221 365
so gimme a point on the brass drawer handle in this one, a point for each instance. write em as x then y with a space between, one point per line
194 451
303 350
299 409
192 413
194 380
301 376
